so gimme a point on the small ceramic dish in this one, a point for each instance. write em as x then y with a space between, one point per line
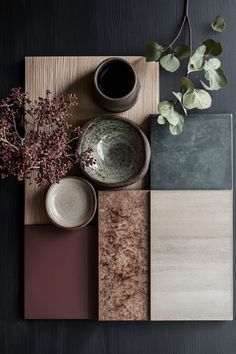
120 148
71 203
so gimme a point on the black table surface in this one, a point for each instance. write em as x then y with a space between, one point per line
98 27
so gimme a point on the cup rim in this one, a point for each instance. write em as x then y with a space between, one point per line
101 65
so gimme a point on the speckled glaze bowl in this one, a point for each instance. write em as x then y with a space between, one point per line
120 148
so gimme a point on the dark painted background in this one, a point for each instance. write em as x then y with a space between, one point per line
97 27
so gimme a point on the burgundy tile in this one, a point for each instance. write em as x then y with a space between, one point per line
60 273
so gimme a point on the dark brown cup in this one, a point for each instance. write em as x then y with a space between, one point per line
116 85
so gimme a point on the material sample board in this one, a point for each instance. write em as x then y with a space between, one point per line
199 158
60 273
62 75
191 255
124 255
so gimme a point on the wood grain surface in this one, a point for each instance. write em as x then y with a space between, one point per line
99 27
191 255
63 75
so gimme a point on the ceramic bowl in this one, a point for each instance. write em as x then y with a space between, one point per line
71 203
120 148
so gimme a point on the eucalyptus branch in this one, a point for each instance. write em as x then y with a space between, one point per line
186 19
189 97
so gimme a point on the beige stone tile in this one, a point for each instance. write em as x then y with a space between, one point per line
191 255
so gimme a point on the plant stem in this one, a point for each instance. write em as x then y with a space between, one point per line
75 138
70 158
178 34
185 19
34 168
189 26
8 142
16 131
189 33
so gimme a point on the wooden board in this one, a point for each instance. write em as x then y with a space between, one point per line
74 75
124 255
191 255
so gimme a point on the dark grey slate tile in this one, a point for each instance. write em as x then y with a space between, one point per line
199 158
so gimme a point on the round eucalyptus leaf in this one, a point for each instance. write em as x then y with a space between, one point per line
179 97
218 24
206 87
173 118
186 83
212 47
196 60
161 120
177 129
165 108
170 63
182 51
216 78
199 99
153 51
212 64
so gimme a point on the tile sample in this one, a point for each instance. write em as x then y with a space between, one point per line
199 158
191 255
73 74
60 273
124 255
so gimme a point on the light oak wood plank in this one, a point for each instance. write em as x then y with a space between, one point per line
74 75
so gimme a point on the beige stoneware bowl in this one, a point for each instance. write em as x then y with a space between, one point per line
71 203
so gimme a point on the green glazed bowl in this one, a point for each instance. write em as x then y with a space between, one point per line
120 148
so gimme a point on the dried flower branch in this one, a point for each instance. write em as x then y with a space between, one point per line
35 137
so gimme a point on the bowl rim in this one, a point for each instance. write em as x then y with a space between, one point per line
99 68
93 209
147 150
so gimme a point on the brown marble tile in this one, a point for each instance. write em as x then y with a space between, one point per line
124 255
